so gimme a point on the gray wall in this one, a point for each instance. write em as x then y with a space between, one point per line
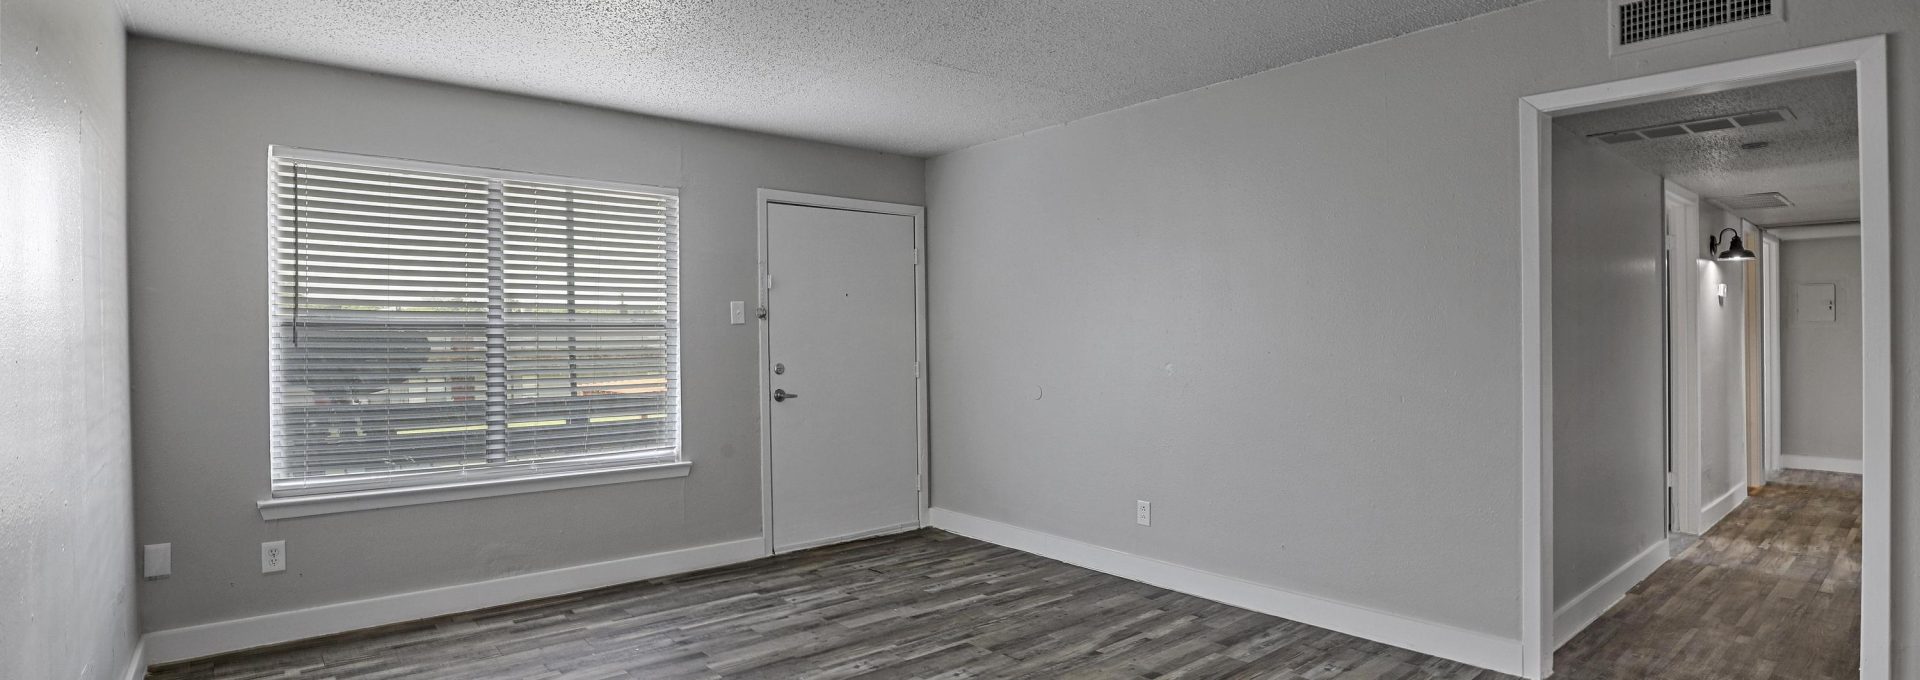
1820 362
66 519
201 120
1609 431
1721 359
1286 309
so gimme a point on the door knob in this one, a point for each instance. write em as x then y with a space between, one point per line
783 395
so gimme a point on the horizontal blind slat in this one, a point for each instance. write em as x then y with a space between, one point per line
383 306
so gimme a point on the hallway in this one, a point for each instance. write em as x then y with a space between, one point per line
1773 591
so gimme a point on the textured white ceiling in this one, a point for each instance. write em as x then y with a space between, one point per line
911 76
1813 160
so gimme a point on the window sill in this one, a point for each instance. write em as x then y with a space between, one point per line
354 501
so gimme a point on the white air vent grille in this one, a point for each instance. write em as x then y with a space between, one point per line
1694 127
1640 24
1648 19
1752 201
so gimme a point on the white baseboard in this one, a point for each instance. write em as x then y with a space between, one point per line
1587 607
192 642
1465 646
1721 507
137 663
1852 466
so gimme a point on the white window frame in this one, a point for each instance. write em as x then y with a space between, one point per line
293 501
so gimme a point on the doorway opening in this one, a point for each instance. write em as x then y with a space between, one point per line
1592 393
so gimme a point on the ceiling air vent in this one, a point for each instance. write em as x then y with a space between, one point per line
1642 24
1771 199
1694 127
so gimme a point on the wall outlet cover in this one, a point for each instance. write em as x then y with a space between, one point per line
1143 513
273 557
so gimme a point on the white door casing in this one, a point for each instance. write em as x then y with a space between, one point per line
1770 345
1683 370
841 333
1866 58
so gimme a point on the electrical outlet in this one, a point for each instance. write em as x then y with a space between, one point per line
157 561
1143 513
273 557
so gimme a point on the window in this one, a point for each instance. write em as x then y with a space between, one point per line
435 324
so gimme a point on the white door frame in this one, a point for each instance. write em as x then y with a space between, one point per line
1770 350
1683 363
765 197
1867 58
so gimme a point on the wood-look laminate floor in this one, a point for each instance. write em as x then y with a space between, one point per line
1772 592
922 605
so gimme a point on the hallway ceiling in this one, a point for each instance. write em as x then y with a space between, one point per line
919 77
1813 159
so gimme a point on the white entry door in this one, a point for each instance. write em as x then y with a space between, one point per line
844 409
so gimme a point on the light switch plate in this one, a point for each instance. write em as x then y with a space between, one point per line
1143 513
736 312
157 561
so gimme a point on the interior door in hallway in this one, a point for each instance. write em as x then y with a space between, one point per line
844 459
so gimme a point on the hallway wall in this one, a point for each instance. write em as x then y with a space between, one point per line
1609 430
1720 338
1820 362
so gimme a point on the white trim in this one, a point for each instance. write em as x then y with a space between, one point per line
137 662
1589 605
1536 382
855 536
193 642
922 484
1876 380
1852 466
1770 350
1867 58
1684 260
1465 646
1722 506
1815 231
287 507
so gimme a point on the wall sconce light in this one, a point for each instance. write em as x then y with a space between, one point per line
1735 252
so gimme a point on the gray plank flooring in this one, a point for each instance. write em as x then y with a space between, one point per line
1770 593
927 604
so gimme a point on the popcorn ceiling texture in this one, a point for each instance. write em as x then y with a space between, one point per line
919 77
1813 159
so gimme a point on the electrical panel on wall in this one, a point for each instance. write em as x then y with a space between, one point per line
1814 303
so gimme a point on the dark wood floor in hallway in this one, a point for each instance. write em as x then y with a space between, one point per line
1770 593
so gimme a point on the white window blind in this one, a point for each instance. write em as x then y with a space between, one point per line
433 324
